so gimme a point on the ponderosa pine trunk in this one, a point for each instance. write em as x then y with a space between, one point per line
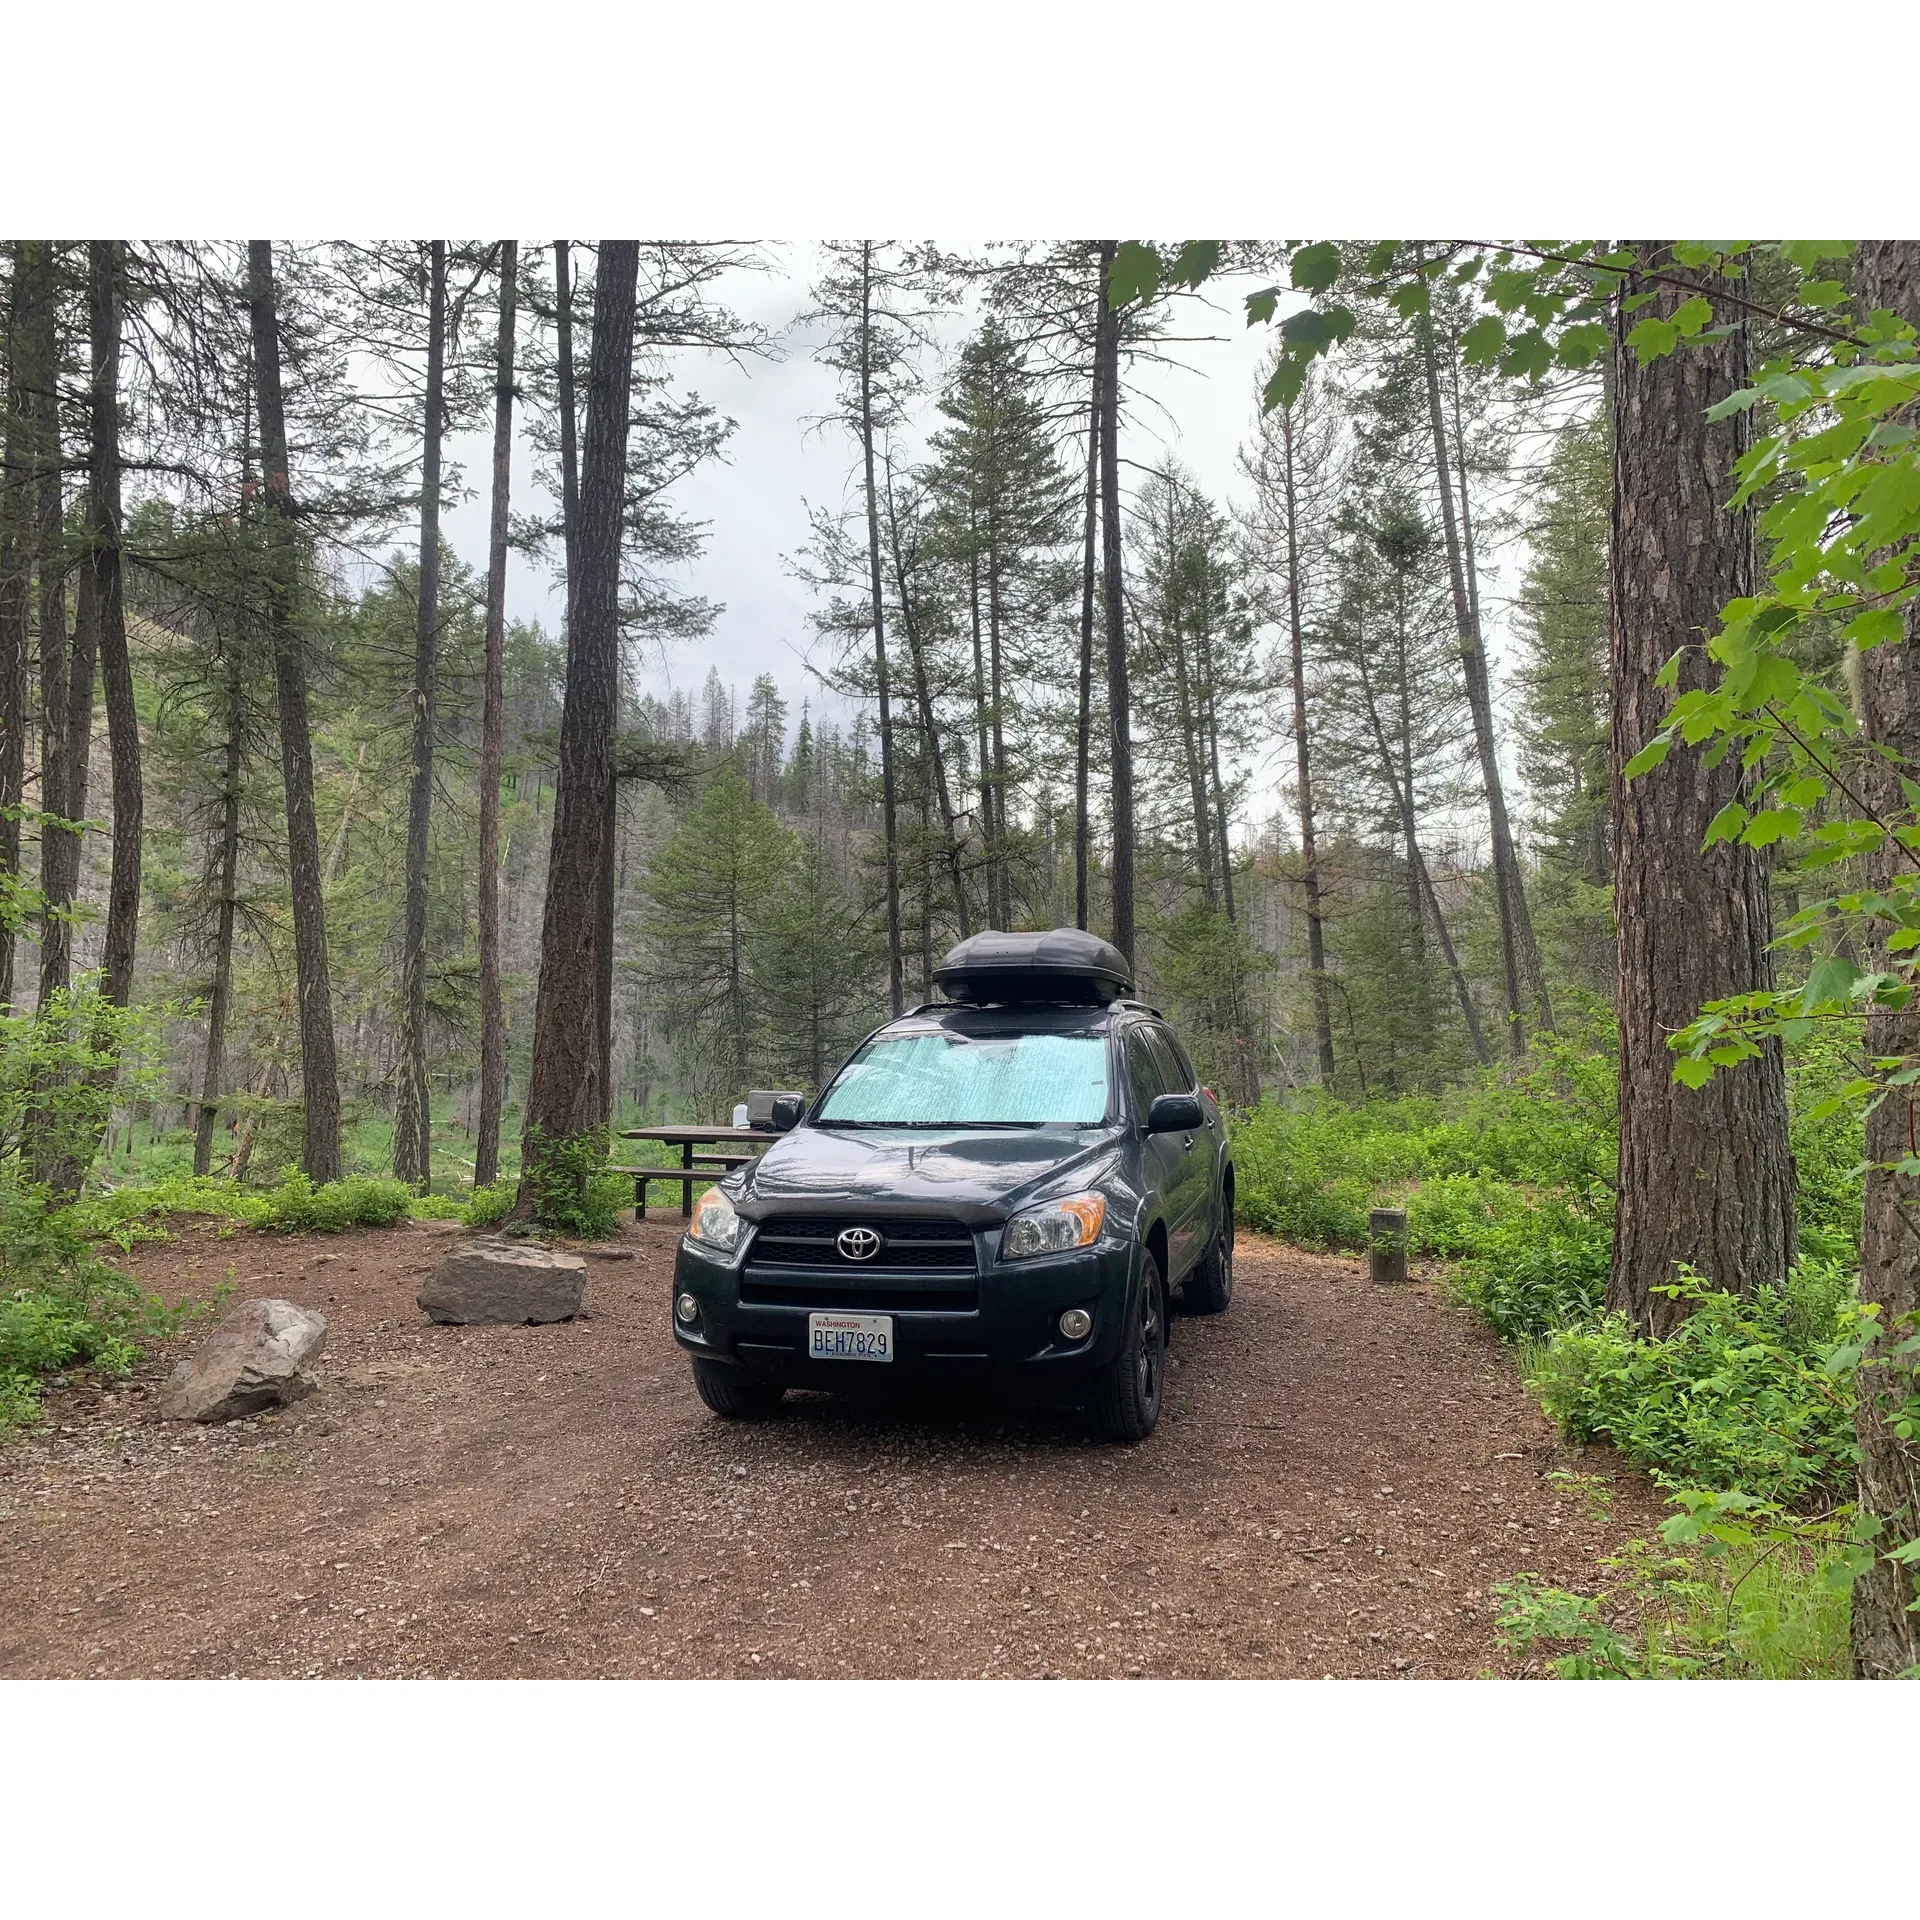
1423 897
895 985
413 1109
563 1104
983 746
493 1039
1706 1175
66 671
1303 766
106 304
929 720
1519 952
213 1077
1083 711
319 1079
1886 1632
1107 378
16 574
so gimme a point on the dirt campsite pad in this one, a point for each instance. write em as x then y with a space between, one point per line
1342 1474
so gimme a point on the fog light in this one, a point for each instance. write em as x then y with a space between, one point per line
1076 1323
686 1309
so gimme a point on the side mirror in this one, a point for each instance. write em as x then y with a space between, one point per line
765 1106
1176 1113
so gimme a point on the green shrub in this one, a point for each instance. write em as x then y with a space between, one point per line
573 1191
296 1205
61 1305
490 1205
1538 1271
1741 1395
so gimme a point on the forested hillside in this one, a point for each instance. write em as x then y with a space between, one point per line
1509 761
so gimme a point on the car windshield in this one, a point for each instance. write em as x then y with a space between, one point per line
951 1079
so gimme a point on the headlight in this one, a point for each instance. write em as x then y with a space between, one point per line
715 1224
1054 1228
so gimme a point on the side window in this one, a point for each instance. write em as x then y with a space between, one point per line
1176 1068
1144 1079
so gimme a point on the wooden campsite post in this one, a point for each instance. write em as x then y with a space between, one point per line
1387 1243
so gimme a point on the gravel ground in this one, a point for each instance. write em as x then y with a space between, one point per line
1341 1474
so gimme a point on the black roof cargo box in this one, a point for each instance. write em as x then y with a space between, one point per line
1064 965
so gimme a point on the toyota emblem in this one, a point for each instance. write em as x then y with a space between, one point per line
858 1243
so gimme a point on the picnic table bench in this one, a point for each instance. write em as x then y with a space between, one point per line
702 1159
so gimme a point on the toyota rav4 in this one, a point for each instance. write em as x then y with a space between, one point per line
1010 1186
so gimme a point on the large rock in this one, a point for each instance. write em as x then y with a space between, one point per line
507 1281
256 1358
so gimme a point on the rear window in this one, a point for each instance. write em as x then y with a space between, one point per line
950 1079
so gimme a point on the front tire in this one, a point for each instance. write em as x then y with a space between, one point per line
732 1395
1125 1404
1209 1287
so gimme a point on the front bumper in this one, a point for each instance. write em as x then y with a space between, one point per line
1008 1335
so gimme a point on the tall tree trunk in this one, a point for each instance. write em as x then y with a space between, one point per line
563 1090
1209 720
1309 855
1083 712
1425 900
1184 705
1000 865
1886 1632
319 1080
493 1038
66 674
16 569
1107 365
1519 953
895 986
413 1112
982 739
107 296
214 1074
929 720
1706 1176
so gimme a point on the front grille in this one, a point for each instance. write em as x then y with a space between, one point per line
926 1265
907 1246
857 1296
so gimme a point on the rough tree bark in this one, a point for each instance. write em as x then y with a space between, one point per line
1083 714
1107 381
66 674
887 795
16 569
319 1080
412 1107
929 720
106 306
1425 900
220 1003
493 1039
1886 1635
1303 765
563 1086
1706 1176
1519 952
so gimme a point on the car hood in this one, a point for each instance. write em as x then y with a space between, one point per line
974 1175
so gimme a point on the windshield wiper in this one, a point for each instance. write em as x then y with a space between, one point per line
947 1126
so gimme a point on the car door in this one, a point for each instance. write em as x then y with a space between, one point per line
1162 1160
1193 1161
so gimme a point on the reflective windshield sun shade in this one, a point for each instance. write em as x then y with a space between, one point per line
948 1079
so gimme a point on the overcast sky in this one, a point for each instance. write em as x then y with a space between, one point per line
755 500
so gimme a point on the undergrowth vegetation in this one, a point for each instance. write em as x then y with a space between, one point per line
1745 1411
64 1305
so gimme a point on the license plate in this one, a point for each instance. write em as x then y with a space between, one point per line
850 1336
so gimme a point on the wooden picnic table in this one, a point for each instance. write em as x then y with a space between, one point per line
689 1140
